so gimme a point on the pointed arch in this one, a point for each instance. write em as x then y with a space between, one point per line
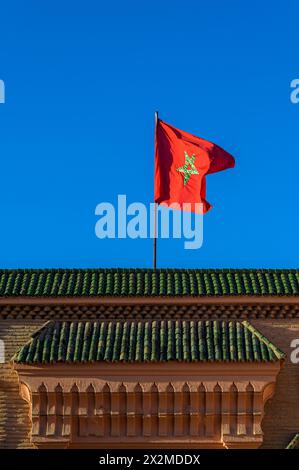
58 388
58 400
201 408
58 409
233 406
186 399
170 388
122 393
91 400
217 400
90 388
106 388
170 398
138 395
233 392
249 404
43 408
42 388
74 399
154 398
106 398
154 388
74 388
122 388
138 388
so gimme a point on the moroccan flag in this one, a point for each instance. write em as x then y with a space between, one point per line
182 162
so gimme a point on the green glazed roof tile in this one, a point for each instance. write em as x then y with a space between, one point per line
146 282
147 341
294 443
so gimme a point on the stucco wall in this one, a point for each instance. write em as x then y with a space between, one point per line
281 419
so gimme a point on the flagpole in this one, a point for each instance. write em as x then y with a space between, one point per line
155 204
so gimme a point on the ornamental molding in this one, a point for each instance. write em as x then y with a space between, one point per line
165 300
152 405
52 309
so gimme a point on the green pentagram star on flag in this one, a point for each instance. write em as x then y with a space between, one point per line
188 171
176 154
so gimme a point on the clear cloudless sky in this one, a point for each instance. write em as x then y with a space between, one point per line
83 79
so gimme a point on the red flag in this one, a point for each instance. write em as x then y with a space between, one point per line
181 162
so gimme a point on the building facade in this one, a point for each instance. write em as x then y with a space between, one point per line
141 358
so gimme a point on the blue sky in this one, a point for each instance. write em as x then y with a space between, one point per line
83 80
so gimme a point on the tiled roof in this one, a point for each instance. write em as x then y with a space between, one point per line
294 443
146 282
147 341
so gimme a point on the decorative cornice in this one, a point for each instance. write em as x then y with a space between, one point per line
237 371
208 406
164 310
157 300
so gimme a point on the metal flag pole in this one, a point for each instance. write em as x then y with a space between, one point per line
155 204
